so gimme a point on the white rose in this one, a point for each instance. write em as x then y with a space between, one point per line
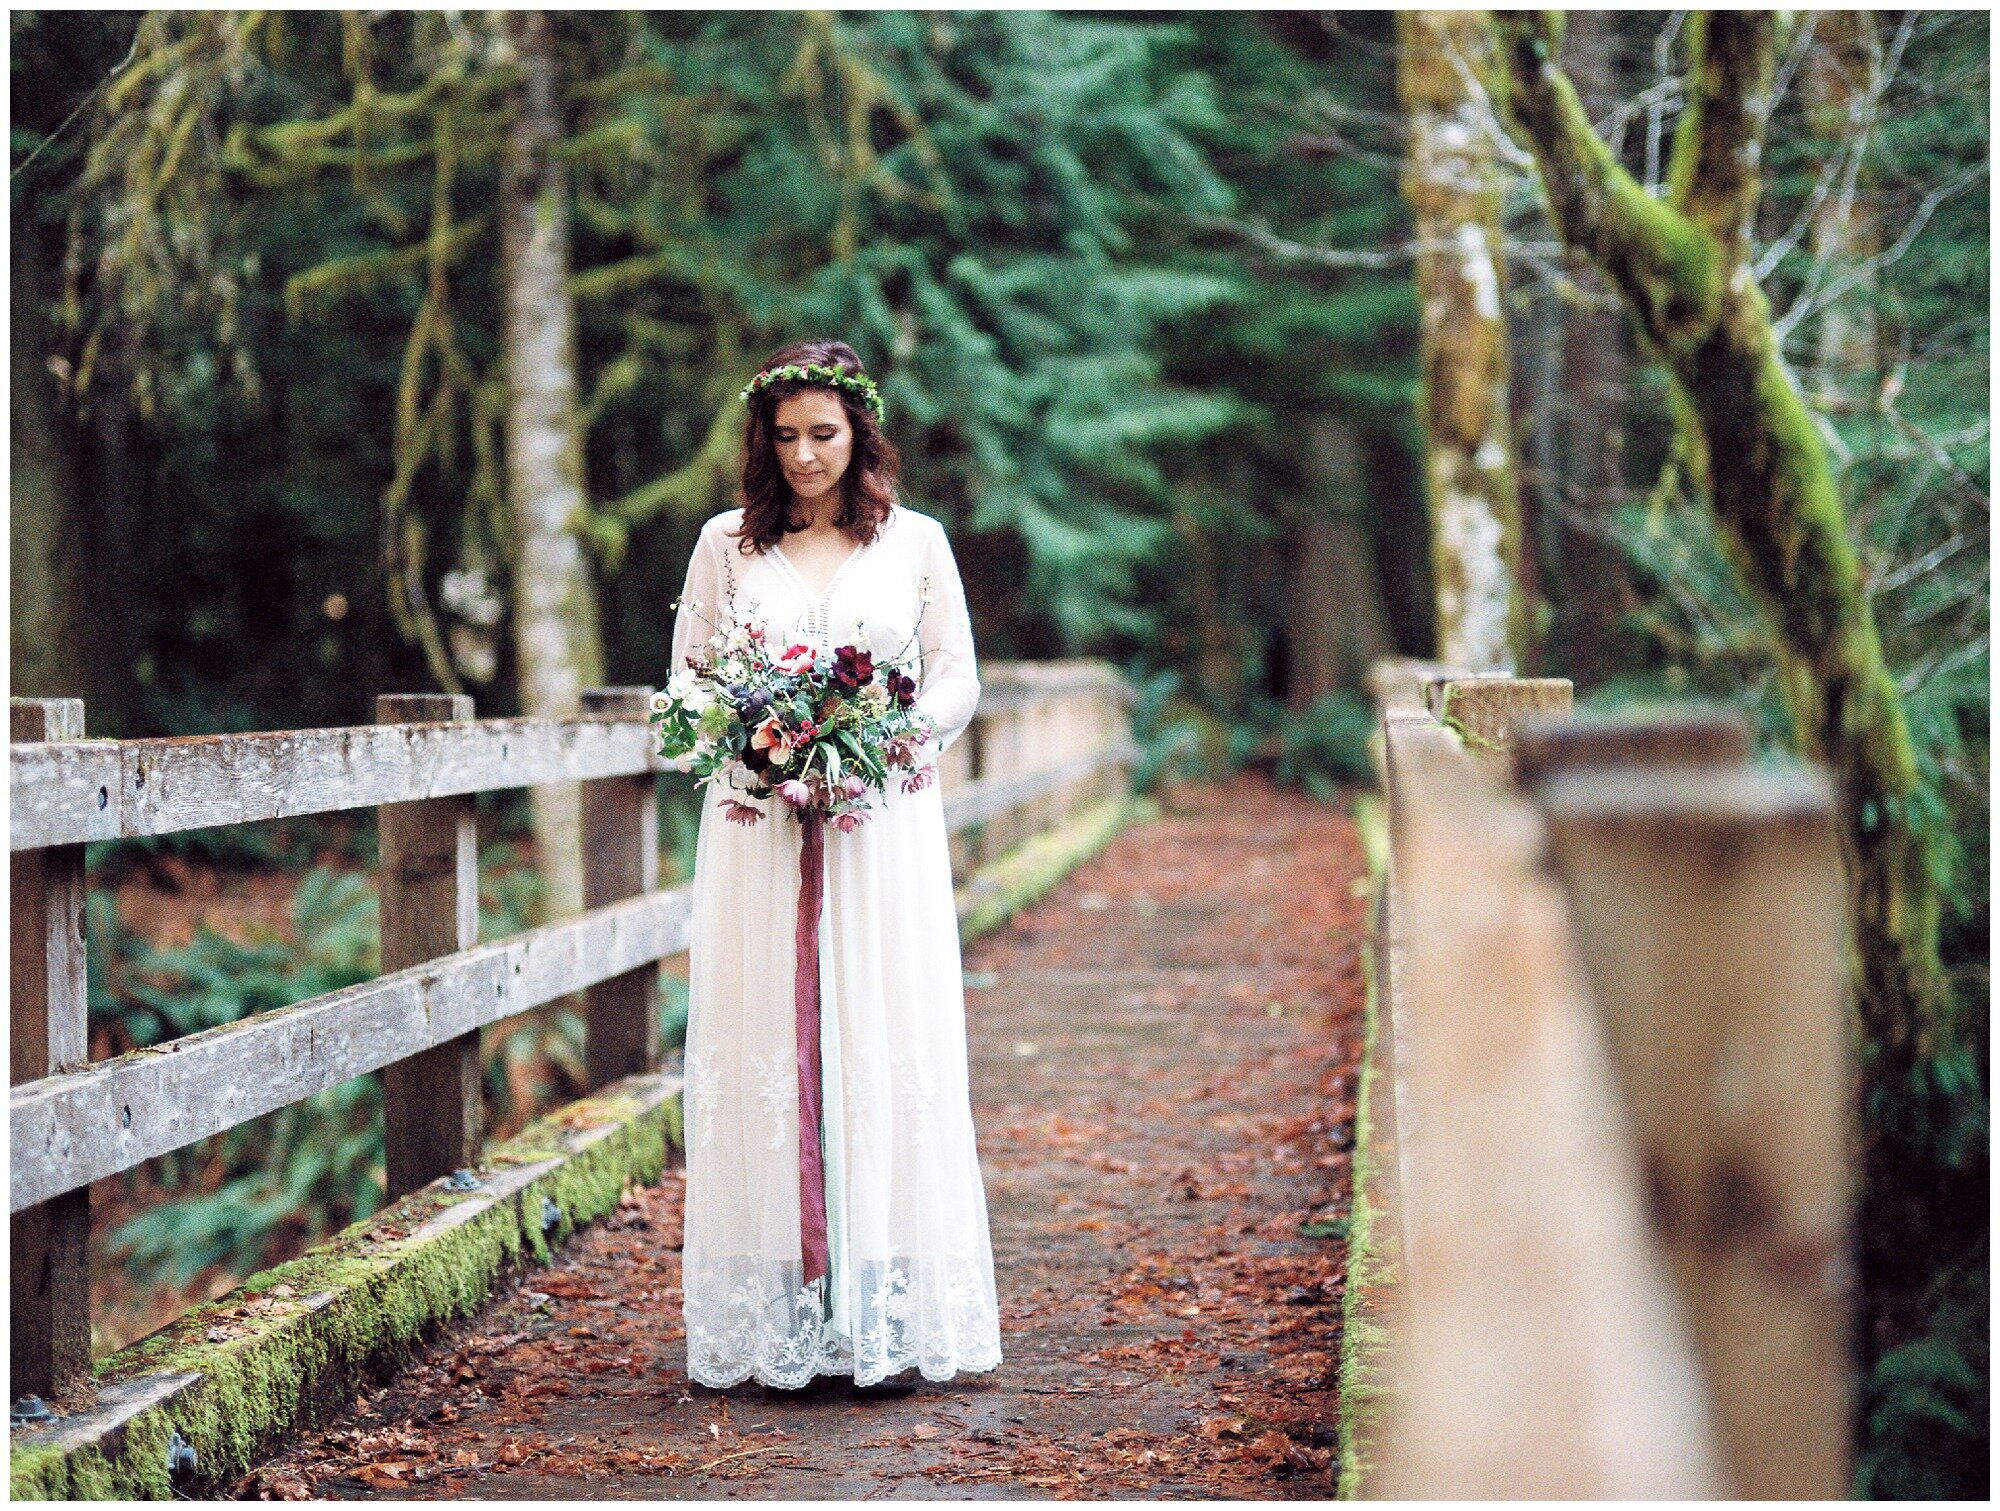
690 690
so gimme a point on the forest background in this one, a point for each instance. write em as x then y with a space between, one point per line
1238 348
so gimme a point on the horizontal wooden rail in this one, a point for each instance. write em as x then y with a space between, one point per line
70 792
68 1130
66 792
976 802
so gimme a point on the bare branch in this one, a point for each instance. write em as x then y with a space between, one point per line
1794 56
1667 92
1509 151
1911 570
1286 250
1804 307
1944 662
1663 65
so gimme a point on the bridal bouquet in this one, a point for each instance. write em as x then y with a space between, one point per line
818 729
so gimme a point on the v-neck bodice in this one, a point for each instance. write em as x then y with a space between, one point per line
816 618
798 577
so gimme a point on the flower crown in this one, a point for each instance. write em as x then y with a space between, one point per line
858 384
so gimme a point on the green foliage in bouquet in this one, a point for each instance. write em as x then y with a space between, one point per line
819 728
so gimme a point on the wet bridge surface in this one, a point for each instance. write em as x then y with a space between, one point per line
1164 1058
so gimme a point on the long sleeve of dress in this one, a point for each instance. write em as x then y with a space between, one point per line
950 689
701 598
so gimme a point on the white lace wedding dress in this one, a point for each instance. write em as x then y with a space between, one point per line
911 1278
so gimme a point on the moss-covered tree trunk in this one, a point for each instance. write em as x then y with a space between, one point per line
557 635
1684 266
1450 180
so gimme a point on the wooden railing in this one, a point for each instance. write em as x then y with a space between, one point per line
1047 738
1610 954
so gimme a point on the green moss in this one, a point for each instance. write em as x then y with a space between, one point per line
287 1365
1371 819
1364 1342
1032 868
1473 742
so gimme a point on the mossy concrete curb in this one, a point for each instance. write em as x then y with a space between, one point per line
1032 868
1373 1246
289 1347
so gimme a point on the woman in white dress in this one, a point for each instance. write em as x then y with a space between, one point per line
910 1282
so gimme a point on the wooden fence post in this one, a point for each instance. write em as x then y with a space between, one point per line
1710 914
1036 731
1483 710
49 1016
1679 736
428 881
621 858
1001 758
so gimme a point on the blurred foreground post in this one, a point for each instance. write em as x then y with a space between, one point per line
1542 1352
1709 911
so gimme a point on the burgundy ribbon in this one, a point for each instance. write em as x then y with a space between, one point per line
805 1003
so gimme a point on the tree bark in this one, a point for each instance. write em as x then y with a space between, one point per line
47 621
557 634
1683 265
1595 585
1836 80
1450 181
1338 626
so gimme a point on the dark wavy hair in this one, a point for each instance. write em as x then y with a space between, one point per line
867 488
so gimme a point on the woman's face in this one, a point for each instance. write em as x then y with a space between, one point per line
814 441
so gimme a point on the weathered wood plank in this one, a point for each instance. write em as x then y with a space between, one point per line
621 858
433 1114
69 792
1676 735
1710 906
68 1130
1485 709
49 1026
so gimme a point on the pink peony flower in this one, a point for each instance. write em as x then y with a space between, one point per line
847 823
853 785
922 779
797 658
795 792
740 813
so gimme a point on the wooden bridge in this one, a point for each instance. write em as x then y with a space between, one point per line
1599 1196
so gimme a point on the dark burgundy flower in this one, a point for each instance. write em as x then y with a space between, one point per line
903 688
853 668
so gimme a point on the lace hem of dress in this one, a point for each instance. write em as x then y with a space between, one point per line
747 1315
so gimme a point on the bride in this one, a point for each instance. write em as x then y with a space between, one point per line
823 552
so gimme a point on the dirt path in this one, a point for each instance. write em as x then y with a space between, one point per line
1164 1056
